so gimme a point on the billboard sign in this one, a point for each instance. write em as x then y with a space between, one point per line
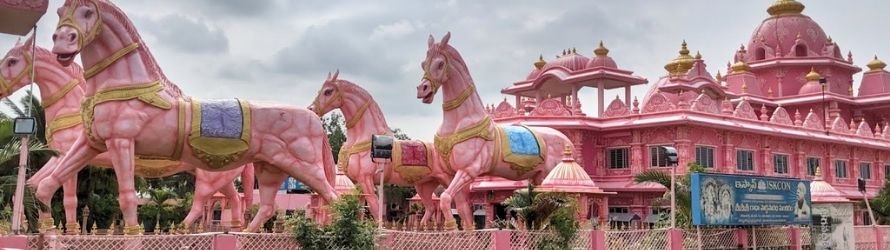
720 199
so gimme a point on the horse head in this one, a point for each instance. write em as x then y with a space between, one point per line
79 24
329 96
15 67
435 69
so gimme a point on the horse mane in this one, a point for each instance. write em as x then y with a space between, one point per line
353 88
148 59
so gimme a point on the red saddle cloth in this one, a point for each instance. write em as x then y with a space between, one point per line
414 153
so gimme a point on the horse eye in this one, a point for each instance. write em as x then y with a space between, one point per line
11 62
440 65
328 92
88 13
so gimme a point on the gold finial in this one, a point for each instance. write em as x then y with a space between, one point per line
719 77
697 55
745 87
563 52
785 7
813 76
740 67
682 63
601 50
574 51
818 171
567 151
769 92
830 41
876 64
850 90
540 63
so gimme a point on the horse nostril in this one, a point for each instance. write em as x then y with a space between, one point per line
71 37
425 87
55 37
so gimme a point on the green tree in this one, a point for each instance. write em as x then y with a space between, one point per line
881 205
681 188
159 209
345 232
336 129
554 212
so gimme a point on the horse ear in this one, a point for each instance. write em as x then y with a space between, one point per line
445 39
329 76
336 73
430 41
18 41
29 43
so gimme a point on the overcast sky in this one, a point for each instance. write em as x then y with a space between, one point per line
281 50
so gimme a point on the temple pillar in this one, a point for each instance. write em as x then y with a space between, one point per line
600 98
854 165
765 164
604 211
600 159
683 145
583 207
801 164
728 156
519 108
489 215
827 166
636 152
627 95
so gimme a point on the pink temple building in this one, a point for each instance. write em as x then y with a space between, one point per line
785 107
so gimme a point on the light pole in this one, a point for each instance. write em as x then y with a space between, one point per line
24 127
670 155
381 151
824 83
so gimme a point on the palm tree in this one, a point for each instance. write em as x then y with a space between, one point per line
682 190
534 210
160 204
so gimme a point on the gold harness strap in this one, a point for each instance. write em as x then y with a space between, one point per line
459 100
147 93
61 122
61 93
445 143
358 115
346 152
108 61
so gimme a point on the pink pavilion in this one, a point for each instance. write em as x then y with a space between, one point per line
785 107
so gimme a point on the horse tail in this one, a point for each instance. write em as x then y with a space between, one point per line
328 161
247 183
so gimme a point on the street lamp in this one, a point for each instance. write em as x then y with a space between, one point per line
381 151
24 127
670 155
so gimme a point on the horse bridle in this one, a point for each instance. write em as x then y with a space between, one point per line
449 104
86 37
6 85
338 95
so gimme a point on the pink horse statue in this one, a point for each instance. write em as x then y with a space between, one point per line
132 110
468 141
62 111
414 163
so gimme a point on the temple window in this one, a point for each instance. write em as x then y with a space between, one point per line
618 210
744 160
865 170
800 50
840 168
780 163
760 54
704 156
812 165
655 159
618 158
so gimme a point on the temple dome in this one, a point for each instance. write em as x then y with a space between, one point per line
682 63
784 30
601 58
571 61
876 64
569 177
812 85
343 185
823 192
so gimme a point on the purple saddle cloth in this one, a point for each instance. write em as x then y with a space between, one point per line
221 118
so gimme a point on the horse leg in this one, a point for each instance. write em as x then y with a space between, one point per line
234 202
202 194
461 180
75 160
69 199
310 173
425 191
269 180
367 185
44 171
461 203
123 159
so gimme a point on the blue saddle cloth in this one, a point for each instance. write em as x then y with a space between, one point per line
522 141
221 118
